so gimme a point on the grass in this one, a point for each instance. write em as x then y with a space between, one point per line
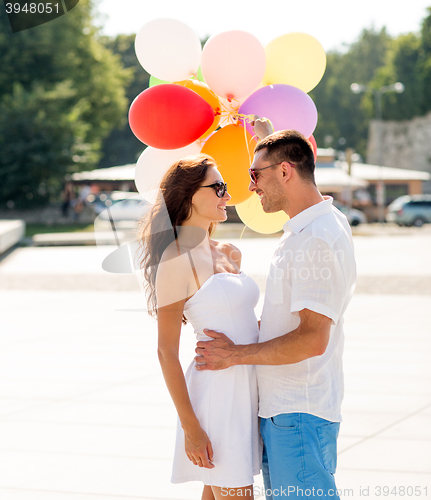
32 229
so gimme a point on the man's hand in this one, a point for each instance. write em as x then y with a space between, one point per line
262 127
214 354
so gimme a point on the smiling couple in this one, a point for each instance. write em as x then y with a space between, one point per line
259 395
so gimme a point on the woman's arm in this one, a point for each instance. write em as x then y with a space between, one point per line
197 444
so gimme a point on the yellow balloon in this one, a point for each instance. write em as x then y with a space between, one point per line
295 59
253 216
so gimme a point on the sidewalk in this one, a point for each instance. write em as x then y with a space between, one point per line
85 415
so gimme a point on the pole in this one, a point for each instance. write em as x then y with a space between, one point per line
398 87
349 153
380 191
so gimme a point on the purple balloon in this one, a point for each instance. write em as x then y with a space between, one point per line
287 107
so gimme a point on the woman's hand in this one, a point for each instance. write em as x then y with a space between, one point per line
198 447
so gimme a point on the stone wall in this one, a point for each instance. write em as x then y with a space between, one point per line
50 215
405 144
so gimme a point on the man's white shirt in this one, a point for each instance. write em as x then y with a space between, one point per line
313 268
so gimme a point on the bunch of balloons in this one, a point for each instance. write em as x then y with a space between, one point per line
203 100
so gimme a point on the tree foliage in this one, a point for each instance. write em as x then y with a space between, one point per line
424 63
121 147
41 135
341 113
401 66
374 60
61 93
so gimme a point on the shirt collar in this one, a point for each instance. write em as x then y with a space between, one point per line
300 221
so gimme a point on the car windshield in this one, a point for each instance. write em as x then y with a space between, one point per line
399 203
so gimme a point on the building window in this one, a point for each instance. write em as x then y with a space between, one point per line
393 191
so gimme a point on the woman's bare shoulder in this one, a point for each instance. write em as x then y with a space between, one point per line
174 275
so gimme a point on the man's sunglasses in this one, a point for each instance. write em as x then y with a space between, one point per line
254 174
219 187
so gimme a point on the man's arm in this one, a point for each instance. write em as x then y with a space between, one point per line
308 340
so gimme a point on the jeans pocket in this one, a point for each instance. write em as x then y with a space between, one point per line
328 435
286 421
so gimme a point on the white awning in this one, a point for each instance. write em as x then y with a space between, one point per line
121 173
336 179
335 176
376 173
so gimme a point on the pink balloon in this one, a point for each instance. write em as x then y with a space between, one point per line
314 144
288 108
233 63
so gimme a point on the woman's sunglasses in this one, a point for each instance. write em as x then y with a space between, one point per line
219 187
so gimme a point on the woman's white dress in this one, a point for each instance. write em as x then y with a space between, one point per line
225 401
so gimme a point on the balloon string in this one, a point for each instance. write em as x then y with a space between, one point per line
246 221
245 118
230 118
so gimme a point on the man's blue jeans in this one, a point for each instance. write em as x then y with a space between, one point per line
299 456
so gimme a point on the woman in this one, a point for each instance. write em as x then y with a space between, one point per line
191 277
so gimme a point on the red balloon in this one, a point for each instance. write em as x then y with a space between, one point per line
314 144
169 116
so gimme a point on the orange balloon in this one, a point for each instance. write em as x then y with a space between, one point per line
208 95
232 148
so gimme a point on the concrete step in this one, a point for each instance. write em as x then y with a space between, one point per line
77 238
11 233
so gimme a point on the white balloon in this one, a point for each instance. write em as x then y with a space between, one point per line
168 49
154 163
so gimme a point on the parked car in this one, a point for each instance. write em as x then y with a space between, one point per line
412 210
122 205
354 217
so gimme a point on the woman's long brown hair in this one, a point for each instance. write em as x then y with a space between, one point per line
173 206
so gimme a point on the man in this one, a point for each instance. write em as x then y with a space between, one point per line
299 354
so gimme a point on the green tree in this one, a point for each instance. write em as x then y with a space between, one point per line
341 113
401 66
374 60
424 63
408 61
41 136
64 66
121 147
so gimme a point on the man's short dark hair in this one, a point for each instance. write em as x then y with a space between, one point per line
291 146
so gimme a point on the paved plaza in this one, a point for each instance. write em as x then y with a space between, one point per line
85 415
